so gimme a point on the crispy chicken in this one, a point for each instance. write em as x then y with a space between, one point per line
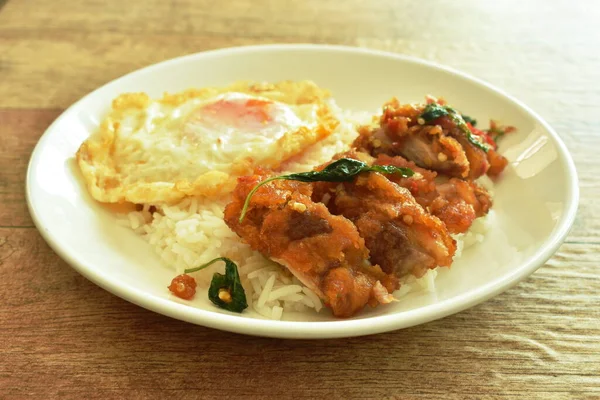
401 236
454 201
438 145
351 242
324 251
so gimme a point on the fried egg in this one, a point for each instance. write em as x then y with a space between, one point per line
196 143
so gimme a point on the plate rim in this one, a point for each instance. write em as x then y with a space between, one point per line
318 329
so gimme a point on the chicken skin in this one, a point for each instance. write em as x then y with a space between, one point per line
438 145
324 251
454 201
401 236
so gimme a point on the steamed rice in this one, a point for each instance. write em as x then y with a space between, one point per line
193 232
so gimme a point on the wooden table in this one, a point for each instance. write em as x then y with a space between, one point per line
61 336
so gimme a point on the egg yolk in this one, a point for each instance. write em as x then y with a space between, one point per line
238 125
236 112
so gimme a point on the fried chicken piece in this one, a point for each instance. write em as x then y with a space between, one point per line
497 163
459 203
456 202
401 236
478 160
438 145
423 147
324 251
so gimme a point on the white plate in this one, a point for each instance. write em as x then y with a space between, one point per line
535 203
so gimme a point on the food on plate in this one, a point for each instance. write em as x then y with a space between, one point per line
341 170
456 202
225 291
402 237
434 136
304 204
325 252
183 286
197 142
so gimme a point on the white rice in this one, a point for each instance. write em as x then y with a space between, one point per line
193 232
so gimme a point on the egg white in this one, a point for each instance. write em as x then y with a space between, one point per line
157 151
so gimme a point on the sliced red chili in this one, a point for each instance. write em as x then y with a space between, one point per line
485 135
183 286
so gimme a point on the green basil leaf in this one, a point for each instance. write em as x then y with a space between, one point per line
469 120
342 170
225 291
390 169
433 111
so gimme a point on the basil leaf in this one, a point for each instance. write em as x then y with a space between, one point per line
390 169
433 111
225 291
469 120
342 170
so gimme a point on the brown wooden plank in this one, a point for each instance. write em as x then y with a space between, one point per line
539 337
84 48
19 133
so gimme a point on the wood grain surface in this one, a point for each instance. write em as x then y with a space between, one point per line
63 337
